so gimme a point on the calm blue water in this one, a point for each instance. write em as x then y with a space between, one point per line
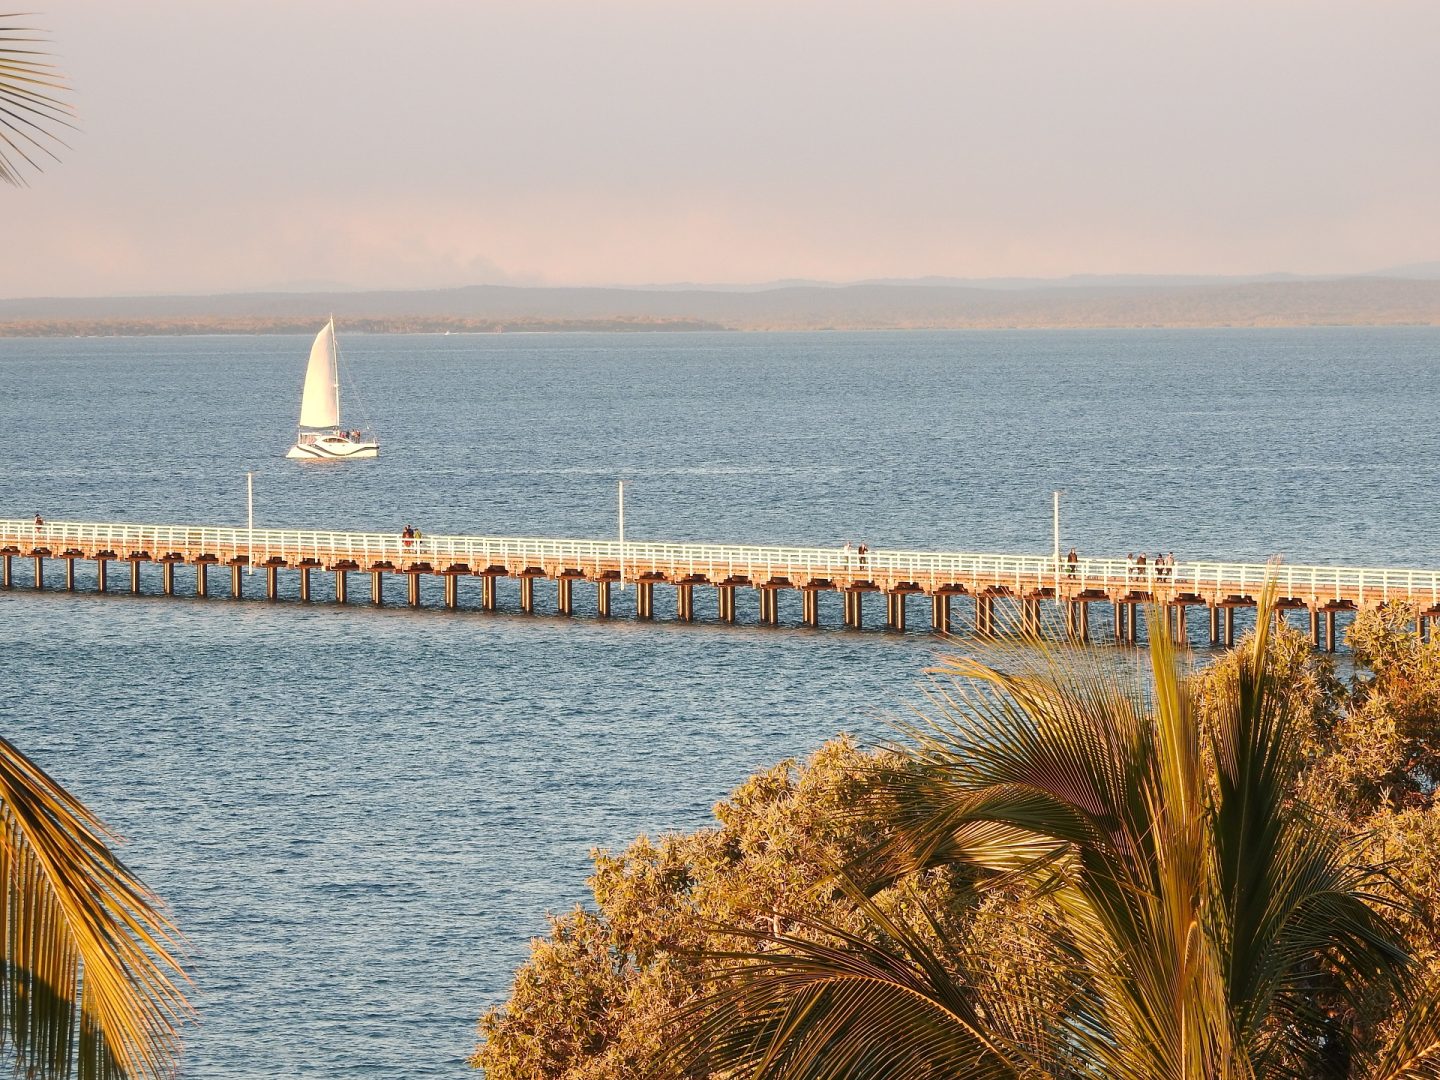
361 817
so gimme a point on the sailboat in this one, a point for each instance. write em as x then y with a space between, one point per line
321 436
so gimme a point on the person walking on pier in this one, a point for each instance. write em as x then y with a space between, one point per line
863 552
1071 559
849 552
407 536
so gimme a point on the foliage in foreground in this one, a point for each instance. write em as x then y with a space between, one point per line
90 983
1065 873
30 104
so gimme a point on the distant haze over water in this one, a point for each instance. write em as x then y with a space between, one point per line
361 817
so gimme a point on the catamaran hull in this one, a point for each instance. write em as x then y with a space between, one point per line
333 450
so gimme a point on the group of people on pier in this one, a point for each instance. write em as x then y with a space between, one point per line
1162 568
852 553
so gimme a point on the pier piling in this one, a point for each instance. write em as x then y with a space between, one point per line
100 577
940 613
602 598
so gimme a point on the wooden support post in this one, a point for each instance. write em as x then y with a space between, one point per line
1132 619
984 616
452 591
725 602
39 571
1214 612
1330 630
1084 620
202 579
342 586
1229 627
70 573
564 595
895 611
101 576
1315 627
412 583
377 587
135 576
685 603
1182 632
644 599
1119 607
272 582
1030 618
602 597
940 613
810 607
527 594
1419 622
167 577
237 579
854 609
6 580
305 583
487 595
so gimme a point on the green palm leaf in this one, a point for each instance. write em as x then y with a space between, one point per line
90 977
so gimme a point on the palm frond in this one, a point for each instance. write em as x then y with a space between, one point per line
828 1003
32 105
90 980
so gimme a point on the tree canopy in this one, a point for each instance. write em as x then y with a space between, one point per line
1056 872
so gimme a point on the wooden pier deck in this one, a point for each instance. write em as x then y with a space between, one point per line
1019 583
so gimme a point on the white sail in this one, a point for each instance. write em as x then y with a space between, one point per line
320 405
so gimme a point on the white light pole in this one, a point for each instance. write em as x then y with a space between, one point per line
250 521
1057 547
622 534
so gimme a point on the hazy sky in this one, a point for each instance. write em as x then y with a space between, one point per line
235 146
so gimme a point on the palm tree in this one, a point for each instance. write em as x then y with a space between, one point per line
89 980
1205 925
30 106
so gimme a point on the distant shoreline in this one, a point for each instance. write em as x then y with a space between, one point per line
490 309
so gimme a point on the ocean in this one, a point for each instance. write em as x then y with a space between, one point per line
361 817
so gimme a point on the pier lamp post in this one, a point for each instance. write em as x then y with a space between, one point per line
1057 546
621 497
250 522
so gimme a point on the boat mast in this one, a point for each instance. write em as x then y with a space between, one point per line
335 369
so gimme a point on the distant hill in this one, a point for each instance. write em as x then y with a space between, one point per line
1356 301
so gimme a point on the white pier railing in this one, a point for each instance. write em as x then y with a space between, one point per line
1108 575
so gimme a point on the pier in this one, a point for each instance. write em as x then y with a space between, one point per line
1020 594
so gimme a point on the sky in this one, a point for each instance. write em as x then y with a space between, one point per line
239 146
